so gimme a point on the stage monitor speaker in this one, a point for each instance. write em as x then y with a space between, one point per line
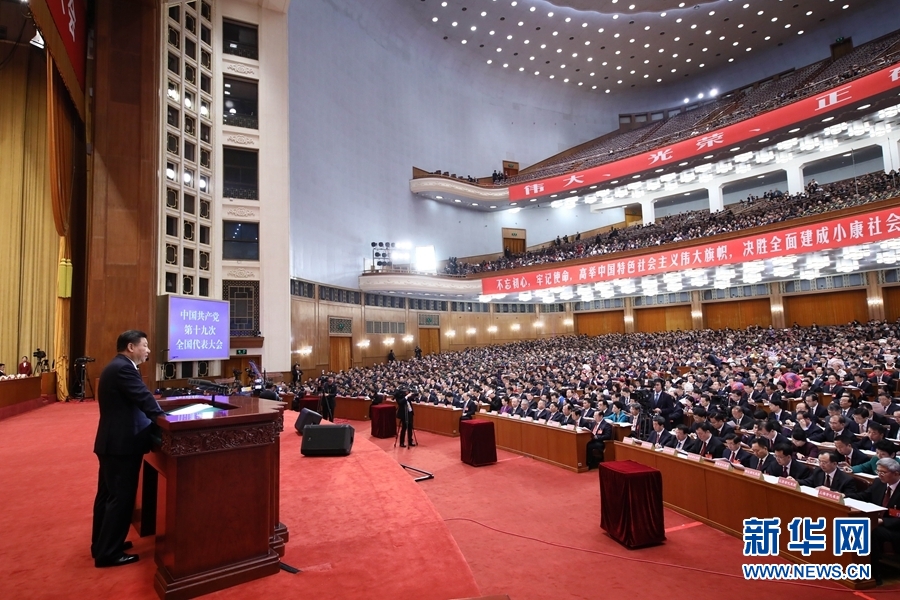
327 440
306 417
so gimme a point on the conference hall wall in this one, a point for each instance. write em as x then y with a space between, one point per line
375 91
828 308
737 314
891 297
310 328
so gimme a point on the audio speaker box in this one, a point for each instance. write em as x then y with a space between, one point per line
306 417
327 440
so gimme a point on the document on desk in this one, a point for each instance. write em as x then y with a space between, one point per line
190 409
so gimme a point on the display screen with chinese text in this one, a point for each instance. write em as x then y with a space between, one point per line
198 329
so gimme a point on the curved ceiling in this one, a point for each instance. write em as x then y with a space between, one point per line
614 45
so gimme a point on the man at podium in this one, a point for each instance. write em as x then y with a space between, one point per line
127 411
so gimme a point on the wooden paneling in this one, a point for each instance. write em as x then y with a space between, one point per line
122 237
340 358
663 318
891 303
515 245
737 314
430 341
832 308
599 323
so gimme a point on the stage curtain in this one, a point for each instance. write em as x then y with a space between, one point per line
61 123
28 238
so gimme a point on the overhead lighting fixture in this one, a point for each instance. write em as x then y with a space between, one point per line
37 41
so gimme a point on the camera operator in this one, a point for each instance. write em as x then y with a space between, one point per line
404 399
296 376
329 393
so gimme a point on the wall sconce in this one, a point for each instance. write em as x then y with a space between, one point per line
450 333
874 301
492 329
568 322
363 343
777 308
629 319
388 341
470 331
305 351
516 327
408 339
538 324
697 314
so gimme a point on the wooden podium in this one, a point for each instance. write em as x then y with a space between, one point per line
210 494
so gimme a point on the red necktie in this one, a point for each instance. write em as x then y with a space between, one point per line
887 498
784 470
703 449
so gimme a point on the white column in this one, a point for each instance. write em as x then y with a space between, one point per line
648 212
716 198
891 152
794 178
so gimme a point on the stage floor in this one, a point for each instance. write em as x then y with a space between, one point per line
360 526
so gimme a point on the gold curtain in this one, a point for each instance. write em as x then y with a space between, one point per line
61 122
28 237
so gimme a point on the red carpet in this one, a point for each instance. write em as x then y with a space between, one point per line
360 526
532 531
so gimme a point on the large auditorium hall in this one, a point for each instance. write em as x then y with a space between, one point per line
449 299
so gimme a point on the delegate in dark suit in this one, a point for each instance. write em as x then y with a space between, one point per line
405 414
601 432
127 410
889 528
841 482
796 470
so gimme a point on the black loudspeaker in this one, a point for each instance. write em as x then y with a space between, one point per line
306 417
327 440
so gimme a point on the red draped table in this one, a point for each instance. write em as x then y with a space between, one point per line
477 445
384 420
631 504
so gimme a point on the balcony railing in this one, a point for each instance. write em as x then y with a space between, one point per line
248 122
240 191
244 50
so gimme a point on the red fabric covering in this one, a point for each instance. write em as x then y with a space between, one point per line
631 506
477 445
384 420
310 402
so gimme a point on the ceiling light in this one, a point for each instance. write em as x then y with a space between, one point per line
454 23
474 28
434 20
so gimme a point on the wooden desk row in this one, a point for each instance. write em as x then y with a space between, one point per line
556 445
723 499
442 420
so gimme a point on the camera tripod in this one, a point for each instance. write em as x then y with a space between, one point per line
82 382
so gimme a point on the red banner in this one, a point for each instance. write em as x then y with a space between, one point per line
727 137
70 17
825 235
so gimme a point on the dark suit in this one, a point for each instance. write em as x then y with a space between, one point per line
889 530
556 416
819 413
814 433
796 470
663 439
544 414
741 456
665 403
840 482
405 414
714 447
768 461
600 434
127 409
856 458
469 409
